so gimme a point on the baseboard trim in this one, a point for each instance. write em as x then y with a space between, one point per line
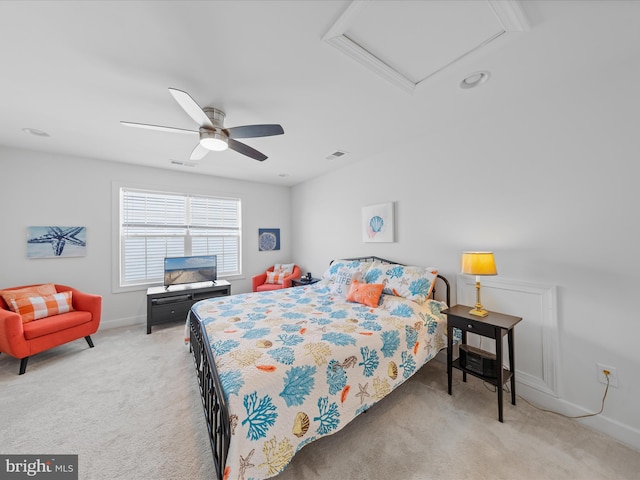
623 433
123 322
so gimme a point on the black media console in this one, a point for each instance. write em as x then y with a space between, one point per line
165 305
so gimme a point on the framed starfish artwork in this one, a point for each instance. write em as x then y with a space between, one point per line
56 242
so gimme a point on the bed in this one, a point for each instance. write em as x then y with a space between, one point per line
280 369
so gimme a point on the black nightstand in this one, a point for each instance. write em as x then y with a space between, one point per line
298 282
494 325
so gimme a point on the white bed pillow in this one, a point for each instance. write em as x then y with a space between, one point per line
352 266
341 273
407 281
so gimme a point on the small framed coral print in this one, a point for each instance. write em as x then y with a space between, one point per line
268 239
378 223
56 242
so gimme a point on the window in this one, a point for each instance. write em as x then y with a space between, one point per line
155 225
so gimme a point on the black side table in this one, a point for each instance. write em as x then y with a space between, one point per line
495 325
298 282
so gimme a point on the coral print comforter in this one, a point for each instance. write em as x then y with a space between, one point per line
300 363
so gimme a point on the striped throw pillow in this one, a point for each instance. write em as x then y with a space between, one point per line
275 277
35 308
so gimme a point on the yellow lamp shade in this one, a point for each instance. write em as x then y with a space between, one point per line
478 263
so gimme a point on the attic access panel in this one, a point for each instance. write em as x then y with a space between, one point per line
407 42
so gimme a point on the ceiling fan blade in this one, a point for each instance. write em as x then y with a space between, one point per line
190 106
158 127
251 131
246 150
198 153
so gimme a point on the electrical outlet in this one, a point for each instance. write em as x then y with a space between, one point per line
613 375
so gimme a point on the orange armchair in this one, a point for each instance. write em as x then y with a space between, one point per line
21 340
258 282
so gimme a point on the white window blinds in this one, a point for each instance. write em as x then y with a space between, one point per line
155 225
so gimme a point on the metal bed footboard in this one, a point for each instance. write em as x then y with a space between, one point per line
213 401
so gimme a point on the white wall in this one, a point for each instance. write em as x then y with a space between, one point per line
548 181
46 189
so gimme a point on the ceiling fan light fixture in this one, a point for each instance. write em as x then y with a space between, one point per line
213 134
213 140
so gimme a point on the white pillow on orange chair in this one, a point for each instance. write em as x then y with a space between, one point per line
284 268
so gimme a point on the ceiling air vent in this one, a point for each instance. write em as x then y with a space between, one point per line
182 164
336 154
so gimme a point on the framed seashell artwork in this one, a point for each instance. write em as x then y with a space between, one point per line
378 223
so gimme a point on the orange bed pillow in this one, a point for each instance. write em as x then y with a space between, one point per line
365 293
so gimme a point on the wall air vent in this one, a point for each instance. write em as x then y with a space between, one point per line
336 154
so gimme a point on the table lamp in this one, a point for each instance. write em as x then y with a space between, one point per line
478 263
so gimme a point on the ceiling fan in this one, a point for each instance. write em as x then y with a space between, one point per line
213 134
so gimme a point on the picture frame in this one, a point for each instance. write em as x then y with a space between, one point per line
268 239
378 223
56 242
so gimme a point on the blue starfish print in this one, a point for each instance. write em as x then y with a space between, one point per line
58 238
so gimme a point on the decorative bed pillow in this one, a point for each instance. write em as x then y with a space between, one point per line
375 271
342 281
365 293
35 307
351 266
410 282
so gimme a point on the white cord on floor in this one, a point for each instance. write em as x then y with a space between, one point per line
606 390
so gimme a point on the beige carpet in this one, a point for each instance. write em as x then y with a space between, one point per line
130 409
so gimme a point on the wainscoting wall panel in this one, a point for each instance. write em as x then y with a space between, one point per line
536 336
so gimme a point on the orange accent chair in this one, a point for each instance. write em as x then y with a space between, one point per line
21 340
258 282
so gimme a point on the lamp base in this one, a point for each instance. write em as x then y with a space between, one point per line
479 312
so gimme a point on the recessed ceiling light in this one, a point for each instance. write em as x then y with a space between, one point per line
283 175
474 80
36 132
